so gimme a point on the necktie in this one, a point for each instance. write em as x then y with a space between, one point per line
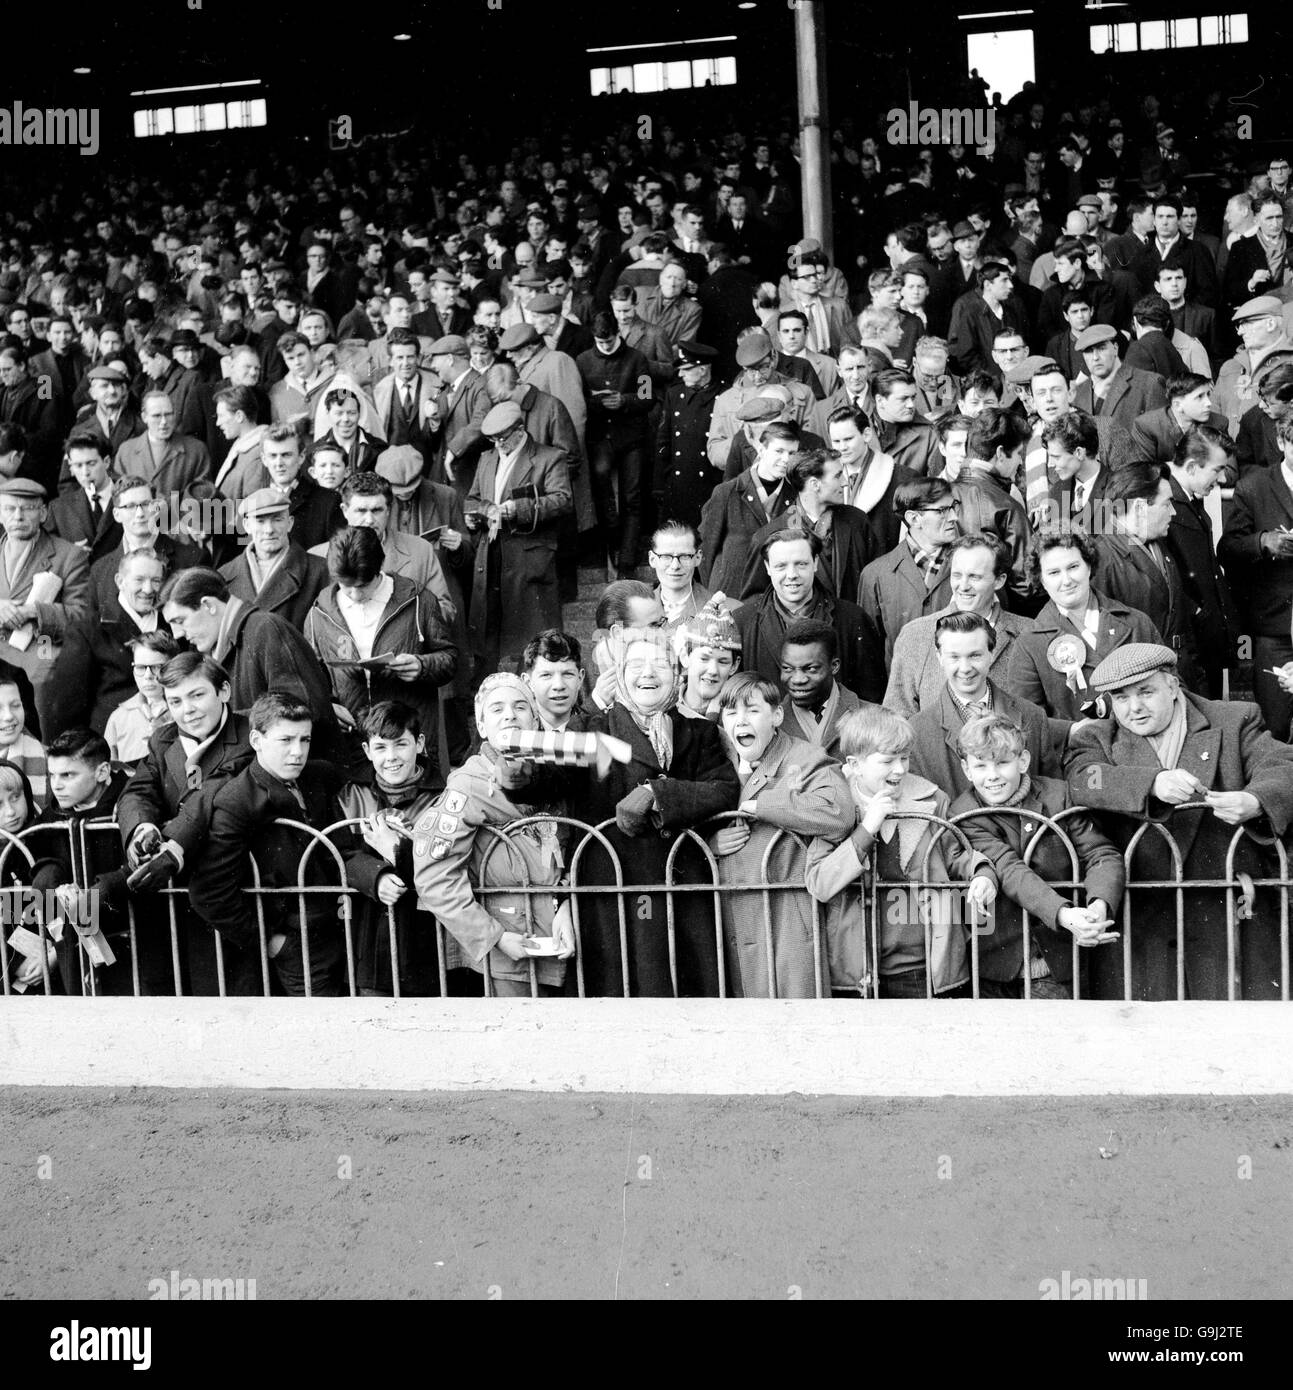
820 334
96 510
298 796
1079 496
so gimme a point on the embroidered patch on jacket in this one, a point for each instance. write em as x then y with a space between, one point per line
448 825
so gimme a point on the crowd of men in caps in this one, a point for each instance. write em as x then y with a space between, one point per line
294 494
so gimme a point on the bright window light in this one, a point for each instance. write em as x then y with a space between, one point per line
677 75
213 116
599 81
648 77
1185 33
1153 34
186 120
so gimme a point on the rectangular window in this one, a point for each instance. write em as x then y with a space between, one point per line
156 122
673 76
599 82
213 116
1185 33
1153 34
186 120
648 77
622 80
677 75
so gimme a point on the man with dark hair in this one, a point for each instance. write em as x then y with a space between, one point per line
911 443
978 317
1072 276
810 665
737 509
405 398
1078 478
816 479
978 568
1156 433
1169 245
85 516
912 580
791 559
618 389
1197 467
963 647
994 458
1062 346
63 365
25 404
1256 549
304 945
552 664
1151 348
1135 566
260 651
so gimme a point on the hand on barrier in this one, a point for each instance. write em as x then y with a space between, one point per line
632 813
563 930
731 837
390 889
1234 808
147 841
157 873
980 895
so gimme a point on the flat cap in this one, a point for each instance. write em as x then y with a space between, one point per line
759 408
753 349
23 487
587 206
444 277
1095 335
506 415
519 335
400 465
803 248
1263 307
1129 663
104 372
694 354
545 304
1023 372
964 229
185 337
1089 200
264 502
451 345
532 279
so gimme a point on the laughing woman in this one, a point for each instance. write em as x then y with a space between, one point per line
678 777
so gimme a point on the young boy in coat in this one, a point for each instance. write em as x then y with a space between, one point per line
787 785
888 958
84 788
1011 804
403 784
280 784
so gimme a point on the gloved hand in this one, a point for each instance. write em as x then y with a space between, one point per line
157 873
147 841
632 815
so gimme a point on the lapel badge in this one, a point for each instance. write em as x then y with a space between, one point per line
1204 756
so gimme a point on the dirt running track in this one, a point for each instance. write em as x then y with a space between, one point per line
589 1196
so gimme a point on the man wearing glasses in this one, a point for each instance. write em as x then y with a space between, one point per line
170 462
913 580
1278 171
137 510
829 324
675 554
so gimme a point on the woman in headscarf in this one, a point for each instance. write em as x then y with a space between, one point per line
677 778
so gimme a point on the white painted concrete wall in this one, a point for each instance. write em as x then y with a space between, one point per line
738 1047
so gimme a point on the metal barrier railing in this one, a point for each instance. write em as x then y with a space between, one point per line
76 846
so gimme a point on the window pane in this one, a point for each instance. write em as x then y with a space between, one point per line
622 80
237 114
164 121
213 116
143 125
1238 28
186 120
599 81
1210 29
677 75
1126 38
702 71
1187 33
258 112
648 77
1153 34
727 72
1101 38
